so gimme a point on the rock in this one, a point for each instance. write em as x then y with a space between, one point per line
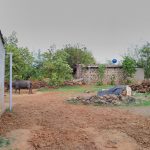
110 99
129 91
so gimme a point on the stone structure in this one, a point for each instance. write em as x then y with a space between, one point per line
113 73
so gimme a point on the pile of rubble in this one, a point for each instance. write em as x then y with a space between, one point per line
141 88
114 96
74 82
39 84
110 99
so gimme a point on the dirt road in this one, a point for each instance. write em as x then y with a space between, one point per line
44 121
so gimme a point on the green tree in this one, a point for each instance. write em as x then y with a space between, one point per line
101 73
56 68
22 58
144 60
129 67
142 57
78 55
37 66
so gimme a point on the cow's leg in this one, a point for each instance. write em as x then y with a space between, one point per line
19 91
31 90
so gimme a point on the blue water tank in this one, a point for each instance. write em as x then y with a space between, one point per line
114 61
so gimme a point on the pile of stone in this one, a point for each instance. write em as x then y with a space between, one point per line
111 99
141 88
39 84
74 82
114 96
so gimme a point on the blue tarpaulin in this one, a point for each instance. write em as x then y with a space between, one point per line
117 90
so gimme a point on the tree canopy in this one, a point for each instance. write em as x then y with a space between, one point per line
78 55
55 65
142 57
22 58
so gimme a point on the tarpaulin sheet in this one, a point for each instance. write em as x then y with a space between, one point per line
117 90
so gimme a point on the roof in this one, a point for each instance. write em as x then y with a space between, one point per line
1 36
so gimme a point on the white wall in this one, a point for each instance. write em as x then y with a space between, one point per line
139 75
2 72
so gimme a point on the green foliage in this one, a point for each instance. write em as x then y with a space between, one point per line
78 55
77 88
56 68
4 142
129 66
101 72
142 57
145 59
112 79
99 83
22 59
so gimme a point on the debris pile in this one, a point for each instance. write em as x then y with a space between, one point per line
110 99
39 84
114 96
141 88
74 82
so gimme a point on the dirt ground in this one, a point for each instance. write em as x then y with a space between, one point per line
45 121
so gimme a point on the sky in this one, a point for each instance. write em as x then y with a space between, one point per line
106 27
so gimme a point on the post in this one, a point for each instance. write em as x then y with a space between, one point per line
10 84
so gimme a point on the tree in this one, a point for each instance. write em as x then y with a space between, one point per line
129 67
22 58
56 68
37 66
101 73
78 55
142 57
144 60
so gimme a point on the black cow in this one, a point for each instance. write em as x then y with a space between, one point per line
22 84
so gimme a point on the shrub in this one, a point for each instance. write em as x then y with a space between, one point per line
112 79
129 67
101 73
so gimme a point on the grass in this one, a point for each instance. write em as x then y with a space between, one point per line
146 103
141 103
4 142
142 99
77 88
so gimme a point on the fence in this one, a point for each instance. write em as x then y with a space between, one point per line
90 74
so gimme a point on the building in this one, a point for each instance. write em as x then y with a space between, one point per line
2 72
113 73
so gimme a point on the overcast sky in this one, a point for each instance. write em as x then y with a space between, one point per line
106 27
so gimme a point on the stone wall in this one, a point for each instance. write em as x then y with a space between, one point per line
90 74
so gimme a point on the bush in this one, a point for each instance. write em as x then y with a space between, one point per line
129 67
56 69
112 79
101 73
